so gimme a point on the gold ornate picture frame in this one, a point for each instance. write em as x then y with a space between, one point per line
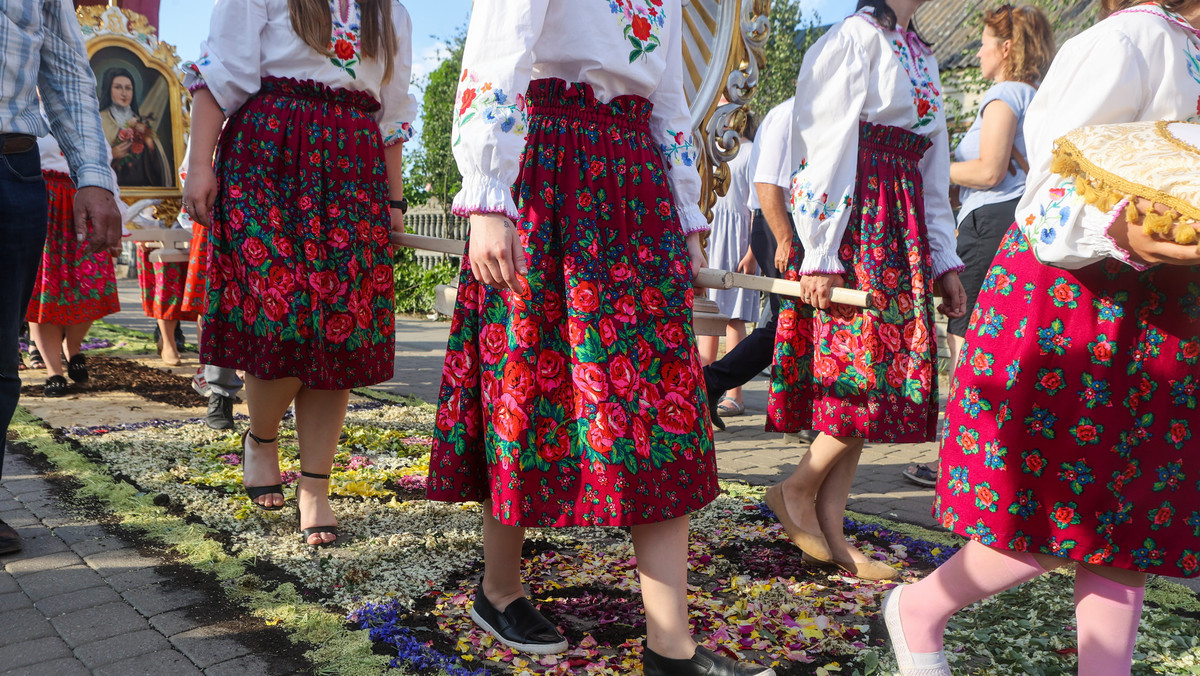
145 108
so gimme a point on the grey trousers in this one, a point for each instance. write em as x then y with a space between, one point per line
222 381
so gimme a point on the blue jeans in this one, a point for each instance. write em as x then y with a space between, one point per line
22 236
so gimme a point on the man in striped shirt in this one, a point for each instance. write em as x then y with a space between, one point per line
42 52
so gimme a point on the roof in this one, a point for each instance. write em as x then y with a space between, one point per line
953 26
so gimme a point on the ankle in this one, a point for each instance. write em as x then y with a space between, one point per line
500 595
672 648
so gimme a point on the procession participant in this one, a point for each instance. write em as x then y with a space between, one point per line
72 290
571 392
1071 415
307 185
870 202
1015 50
42 50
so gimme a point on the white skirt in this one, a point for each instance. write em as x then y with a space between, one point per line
727 243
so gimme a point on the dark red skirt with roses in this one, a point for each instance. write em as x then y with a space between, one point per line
578 401
1072 429
299 279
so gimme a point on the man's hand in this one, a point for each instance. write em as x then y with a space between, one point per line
783 251
96 207
497 254
954 296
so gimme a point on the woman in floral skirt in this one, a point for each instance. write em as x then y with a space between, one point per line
571 393
1071 427
871 206
299 279
71 290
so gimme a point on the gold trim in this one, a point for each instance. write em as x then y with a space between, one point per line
1161 128
1101 179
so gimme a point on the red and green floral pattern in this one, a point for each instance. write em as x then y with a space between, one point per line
873 376
70 288
300 261
1070 428
162 285
643 19
578 401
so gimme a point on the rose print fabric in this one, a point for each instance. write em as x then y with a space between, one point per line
873 376
300 262
70 288
193 290
578 400
162 286
1072 428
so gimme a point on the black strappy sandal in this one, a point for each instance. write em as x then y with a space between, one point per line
259 491
35 359
309 532
77 368
56 386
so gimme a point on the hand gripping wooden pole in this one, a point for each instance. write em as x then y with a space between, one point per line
708 278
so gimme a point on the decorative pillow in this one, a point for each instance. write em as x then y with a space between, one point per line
1155 161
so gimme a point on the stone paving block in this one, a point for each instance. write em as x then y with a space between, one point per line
65 666
153 599
174 622
22 564
110 543
62 604
75 533
8 584
37 651
120 648
46 508
14 601
152 664
209 645
240 667
117 561
37 541
134 579
24 625
59 581
98 622
17 516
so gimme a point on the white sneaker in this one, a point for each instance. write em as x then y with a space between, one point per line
199 383
904 656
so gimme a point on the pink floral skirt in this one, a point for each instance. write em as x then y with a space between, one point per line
70 288
578 401
873 376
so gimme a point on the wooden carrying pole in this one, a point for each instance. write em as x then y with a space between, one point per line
708 278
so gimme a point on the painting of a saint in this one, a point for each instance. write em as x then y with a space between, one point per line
133 125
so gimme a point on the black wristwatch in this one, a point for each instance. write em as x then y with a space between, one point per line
401 204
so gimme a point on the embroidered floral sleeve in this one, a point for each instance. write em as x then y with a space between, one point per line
1096 78
831 91
671 120
399 106
642 22
935 172
230 57
490 116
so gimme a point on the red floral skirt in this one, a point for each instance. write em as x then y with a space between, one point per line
1072 429
193 288
70 288
579 400
300 261
162 287
873 376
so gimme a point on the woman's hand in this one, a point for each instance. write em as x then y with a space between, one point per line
954 296
817 290
121 150
695 253
497 254
749 264
200 192
1149 249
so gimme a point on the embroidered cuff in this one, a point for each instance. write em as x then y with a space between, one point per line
692 220
815 263
1104 241
397 134
484 195
946 261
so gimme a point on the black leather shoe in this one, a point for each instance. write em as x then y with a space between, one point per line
704 663
520 626
220 412
10 542
714 397
77 368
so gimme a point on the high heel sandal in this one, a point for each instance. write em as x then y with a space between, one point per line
314 530
258 491
810 543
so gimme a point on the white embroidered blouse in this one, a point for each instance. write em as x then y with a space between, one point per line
619 47
861 72
252 39
1139 64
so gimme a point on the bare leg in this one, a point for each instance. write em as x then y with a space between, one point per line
501 560
708 347
74 337
831 502
661 550
319 418
170 351
735 332
268 401
800 490
49 338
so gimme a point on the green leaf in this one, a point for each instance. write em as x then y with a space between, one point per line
633 55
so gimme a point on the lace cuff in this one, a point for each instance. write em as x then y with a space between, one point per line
484 195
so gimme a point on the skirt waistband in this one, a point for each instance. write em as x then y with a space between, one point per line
315 91
552 97
904 144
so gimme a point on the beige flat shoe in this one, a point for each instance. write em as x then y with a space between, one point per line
812 544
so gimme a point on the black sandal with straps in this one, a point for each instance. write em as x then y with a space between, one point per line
256 492
314 530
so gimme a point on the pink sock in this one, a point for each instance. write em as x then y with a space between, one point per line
1107 613
974 573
